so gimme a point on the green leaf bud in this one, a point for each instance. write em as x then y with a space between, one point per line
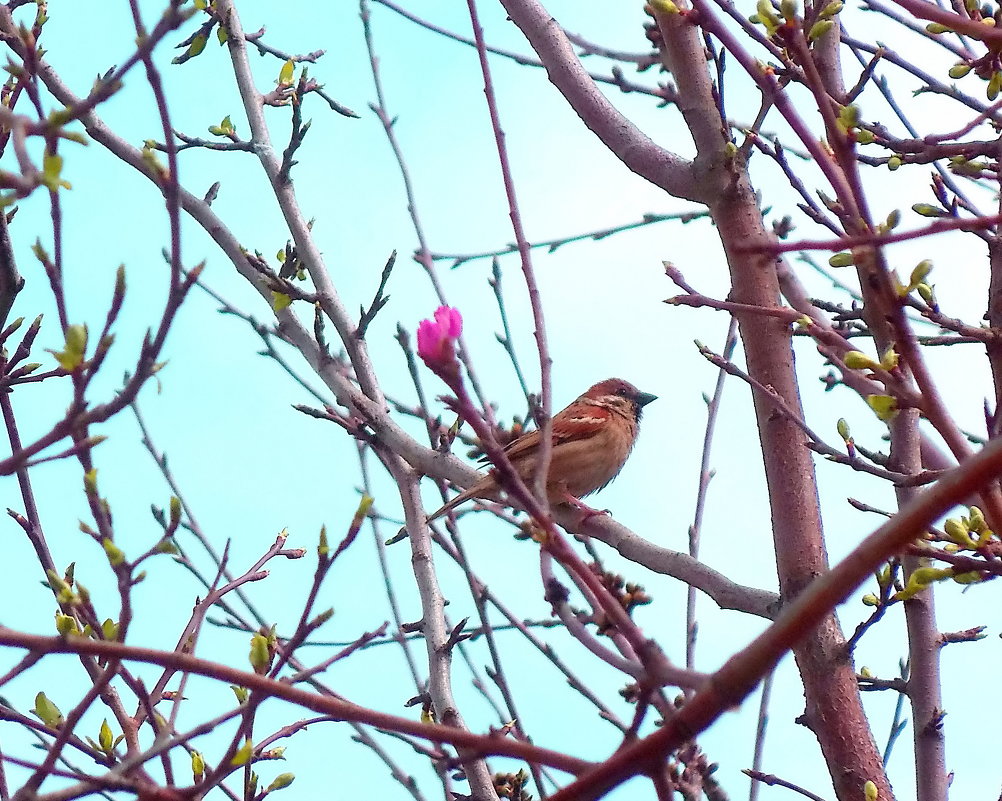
72 354
66 624
925 576
958 533
114 553
976 519
856 360
920 272
243 754
279 301
47 712
884 406
281 781
105 738
260 654
994 85
889 360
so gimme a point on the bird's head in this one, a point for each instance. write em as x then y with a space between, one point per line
619 394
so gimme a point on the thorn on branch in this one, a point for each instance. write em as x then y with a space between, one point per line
11 282
367 316
318 333
20 519
354 426
299 128
935 724
967 635
873 684
456 636
770 779
340 108
263 49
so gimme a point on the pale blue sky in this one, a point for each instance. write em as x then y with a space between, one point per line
249 465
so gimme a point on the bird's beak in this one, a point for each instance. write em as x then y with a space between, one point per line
643 398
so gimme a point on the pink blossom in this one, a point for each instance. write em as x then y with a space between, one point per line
436 339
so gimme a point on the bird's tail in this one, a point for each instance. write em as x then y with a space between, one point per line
463 497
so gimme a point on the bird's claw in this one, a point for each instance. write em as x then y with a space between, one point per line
587 512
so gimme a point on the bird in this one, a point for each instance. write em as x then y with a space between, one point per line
592 438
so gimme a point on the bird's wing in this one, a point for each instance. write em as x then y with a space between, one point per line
525 445
565 428
518 448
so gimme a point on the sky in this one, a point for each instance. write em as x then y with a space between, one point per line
250 466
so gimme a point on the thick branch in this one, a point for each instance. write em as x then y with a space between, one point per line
834 706
633 147
324 704
742 672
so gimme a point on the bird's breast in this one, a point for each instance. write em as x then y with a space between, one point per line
584 466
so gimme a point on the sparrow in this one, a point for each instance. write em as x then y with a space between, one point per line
592 439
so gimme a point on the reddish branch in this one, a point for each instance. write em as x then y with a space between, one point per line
742 672
323 704
837 717
847 242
